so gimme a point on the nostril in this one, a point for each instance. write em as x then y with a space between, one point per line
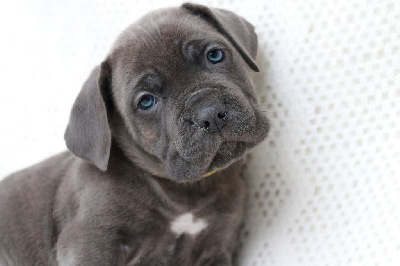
221 115
210 118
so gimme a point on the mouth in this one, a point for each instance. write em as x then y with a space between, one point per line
220 156
224 154
228 153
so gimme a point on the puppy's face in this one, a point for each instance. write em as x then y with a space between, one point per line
184 104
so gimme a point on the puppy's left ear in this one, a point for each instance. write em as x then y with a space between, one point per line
88 134
237 30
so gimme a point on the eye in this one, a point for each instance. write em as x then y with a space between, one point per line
147 102
215 56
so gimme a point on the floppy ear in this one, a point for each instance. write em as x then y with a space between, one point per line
88 134
236 29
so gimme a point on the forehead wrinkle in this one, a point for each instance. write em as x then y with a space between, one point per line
132 83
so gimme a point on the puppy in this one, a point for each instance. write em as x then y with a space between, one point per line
155 138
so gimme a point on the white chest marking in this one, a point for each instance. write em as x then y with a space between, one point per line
67 259
186 223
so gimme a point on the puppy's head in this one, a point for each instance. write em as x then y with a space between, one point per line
174 93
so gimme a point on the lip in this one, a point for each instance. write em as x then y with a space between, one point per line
227 154
211 172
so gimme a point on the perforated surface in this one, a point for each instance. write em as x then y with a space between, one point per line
324 189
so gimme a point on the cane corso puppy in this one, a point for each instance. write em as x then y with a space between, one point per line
155 138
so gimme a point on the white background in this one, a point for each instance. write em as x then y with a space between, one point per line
324 189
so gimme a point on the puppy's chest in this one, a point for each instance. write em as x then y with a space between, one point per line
175 219
183 213
164 239
173 227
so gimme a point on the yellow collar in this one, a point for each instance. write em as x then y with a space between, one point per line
210 173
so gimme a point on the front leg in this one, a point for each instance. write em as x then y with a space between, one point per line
200 250
216 247
219 243
88 244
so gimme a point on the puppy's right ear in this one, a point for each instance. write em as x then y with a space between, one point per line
88 134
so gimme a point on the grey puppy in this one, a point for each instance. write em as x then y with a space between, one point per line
171 104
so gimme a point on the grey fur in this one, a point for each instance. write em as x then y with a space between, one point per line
129 173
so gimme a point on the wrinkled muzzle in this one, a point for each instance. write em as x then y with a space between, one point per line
213 128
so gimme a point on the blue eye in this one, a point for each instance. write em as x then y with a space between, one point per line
215 56
147 102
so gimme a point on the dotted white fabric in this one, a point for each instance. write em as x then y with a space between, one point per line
324 189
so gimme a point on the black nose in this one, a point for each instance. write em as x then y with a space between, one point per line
211 118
